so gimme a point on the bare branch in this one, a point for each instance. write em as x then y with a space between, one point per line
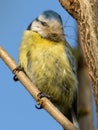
47 105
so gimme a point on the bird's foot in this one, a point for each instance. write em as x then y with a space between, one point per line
40 101
17 69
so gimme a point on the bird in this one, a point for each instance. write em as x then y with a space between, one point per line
47 59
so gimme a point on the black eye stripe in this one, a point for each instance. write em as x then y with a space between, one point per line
43 23
37 19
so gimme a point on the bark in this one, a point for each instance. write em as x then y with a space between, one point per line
86 14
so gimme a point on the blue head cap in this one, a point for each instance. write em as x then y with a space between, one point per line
51 15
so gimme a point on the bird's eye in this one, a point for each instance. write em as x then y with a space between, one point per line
44 23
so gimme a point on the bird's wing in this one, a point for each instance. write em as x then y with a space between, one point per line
71 58
73 64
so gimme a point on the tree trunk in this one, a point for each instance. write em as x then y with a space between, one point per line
86 14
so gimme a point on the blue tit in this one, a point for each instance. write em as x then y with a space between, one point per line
48 61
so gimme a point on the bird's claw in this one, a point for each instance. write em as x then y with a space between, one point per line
39 104
17 69
40 101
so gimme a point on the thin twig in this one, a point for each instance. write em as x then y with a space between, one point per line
47 105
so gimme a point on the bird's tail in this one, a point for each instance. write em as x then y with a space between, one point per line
74 119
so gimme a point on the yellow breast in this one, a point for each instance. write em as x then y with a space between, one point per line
32 43
46 63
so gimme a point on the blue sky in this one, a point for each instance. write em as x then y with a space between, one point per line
17 107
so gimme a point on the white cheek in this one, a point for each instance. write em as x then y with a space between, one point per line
35 26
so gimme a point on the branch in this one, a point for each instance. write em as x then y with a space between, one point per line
85 113
47 105
85 12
